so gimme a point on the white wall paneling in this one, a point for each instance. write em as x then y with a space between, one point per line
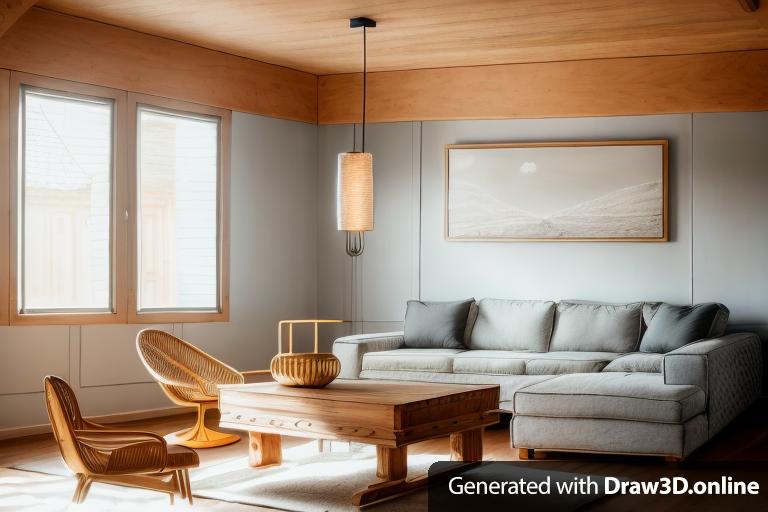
288 260
108 355
607 271
273 276
28 354
387 271
730 229
717 251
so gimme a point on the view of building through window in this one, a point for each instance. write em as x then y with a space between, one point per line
66 203
178 240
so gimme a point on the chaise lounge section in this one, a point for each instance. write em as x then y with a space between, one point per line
579 376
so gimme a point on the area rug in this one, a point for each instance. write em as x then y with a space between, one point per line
34 492
308 481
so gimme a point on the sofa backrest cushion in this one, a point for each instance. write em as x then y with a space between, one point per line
672 327
436 324
594 327
519 325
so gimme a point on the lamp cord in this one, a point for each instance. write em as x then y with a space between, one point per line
365 77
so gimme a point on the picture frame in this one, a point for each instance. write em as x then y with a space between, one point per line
572 191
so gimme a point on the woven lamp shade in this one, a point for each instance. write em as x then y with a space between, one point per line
354 192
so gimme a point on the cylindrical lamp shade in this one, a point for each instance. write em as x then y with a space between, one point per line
354 192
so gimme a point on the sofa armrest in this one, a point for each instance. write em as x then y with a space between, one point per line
728 369
351 349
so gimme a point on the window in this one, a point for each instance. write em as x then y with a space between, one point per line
64 261
66 206
118 206
178 169
180 252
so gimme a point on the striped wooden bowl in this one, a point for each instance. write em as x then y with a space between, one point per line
305 370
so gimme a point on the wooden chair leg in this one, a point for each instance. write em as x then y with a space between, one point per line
83 486
81 479
188 486
178 477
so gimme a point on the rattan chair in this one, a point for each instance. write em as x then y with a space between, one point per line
96 453
189 377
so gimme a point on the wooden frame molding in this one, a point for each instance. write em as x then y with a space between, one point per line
715 82
124 222
134 316
664 143
5 197
52 44
119 204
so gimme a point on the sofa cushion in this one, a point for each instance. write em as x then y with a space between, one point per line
411 359
436 324
592 327
649 309
508 384
672 327
490 362
636 362
556 363
512 325
611 395
502 362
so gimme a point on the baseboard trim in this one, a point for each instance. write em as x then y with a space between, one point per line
33 430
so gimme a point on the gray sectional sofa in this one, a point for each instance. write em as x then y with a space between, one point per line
581 376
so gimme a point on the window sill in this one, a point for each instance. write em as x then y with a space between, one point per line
66 318
178 317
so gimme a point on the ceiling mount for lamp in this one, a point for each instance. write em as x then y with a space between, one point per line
354 186
361 22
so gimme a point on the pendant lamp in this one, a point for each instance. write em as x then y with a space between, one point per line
354 182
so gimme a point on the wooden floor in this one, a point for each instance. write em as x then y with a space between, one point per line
740 451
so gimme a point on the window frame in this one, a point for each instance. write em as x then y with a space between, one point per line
135 101
119 198
5 194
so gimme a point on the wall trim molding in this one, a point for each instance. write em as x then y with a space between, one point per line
57 45
671 84
45 428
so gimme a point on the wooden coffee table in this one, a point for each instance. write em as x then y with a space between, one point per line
388 414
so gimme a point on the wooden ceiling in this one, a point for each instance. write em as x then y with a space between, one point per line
314 35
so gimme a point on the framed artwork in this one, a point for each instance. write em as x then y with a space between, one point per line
558 191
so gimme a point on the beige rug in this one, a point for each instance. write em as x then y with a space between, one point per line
308 481
25 491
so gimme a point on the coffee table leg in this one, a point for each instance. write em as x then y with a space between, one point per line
264 449
467 446
391 463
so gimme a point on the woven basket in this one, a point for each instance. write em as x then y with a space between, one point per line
305 370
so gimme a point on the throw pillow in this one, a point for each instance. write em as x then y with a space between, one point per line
674 326
436 324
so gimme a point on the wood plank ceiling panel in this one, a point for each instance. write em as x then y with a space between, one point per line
313 35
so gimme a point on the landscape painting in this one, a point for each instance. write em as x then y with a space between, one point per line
605 190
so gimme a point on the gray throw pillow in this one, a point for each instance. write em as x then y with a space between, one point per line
596 327
436 324
671 327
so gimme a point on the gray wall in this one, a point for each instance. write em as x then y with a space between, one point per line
717 252
273 276
288 260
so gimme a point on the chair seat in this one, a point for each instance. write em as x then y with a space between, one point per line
180 457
